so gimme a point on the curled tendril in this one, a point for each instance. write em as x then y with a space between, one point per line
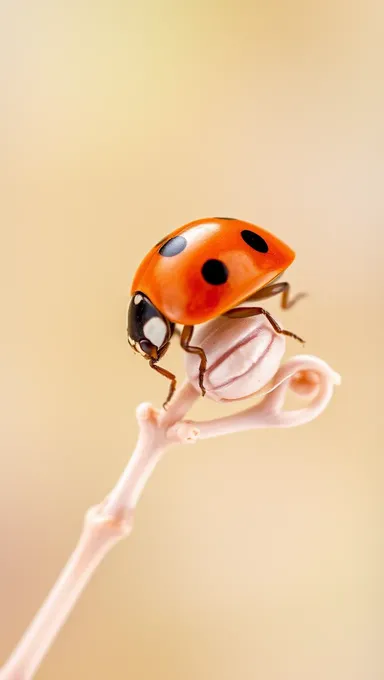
245 361
307 376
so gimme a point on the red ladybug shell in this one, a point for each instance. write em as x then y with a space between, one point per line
208 266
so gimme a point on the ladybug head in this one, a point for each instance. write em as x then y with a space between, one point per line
148 329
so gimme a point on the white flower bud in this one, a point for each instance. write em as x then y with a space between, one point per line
243 356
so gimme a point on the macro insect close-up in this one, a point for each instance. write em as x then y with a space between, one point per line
200 271
191 226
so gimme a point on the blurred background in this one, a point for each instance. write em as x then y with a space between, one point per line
252 556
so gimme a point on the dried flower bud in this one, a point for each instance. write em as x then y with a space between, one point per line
243 356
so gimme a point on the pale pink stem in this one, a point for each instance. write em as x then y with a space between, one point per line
98 536
112 519
269 413
104 526
182 402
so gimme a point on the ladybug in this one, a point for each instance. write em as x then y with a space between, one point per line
198 272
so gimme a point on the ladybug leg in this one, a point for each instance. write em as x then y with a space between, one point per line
166 374
186 336
244 312
156 356
276 289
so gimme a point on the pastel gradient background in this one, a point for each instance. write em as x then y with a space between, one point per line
255 555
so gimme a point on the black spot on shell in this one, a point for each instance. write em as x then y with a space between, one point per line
225 218
215 272
254 241
173 247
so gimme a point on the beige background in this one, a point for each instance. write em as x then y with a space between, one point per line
254 556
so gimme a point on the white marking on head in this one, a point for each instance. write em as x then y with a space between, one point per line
155 330
137 299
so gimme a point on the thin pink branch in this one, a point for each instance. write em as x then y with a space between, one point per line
306 375
104 525
112 520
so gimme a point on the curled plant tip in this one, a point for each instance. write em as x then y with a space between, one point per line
243 361
308 376
243 357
